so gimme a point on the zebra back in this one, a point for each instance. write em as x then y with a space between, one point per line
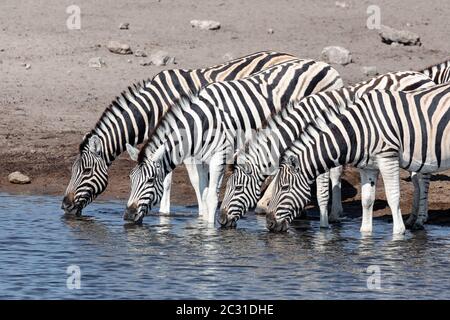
439 73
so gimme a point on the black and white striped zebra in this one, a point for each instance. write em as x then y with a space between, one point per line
259 157
209 124
439 73
385 130
131 115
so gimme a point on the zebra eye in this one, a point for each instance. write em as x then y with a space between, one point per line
150 180
239 188
285 187
87 171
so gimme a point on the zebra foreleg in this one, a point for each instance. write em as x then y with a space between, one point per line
198 175
390 171
336 204
216 173
368 187
416 199
424 184
164 206
322 183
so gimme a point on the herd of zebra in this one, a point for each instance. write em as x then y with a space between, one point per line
281 123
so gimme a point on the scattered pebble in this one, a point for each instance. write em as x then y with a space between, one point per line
158 58
124 26
96 62
228 56
205 24
370 71
334 54
119 48
129 61
140 53
270 31
18 178
389 35
342 4
27 66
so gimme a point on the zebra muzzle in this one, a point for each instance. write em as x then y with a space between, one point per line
225 220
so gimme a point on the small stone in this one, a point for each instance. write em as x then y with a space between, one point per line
124 26
270 31
205 24
26 66
18 178
96 62
228 56
370 71
390 35
342 4
129 61
158 58
334 54
140 53
119 48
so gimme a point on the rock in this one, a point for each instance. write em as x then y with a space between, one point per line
228 56
270 31
27 66
96 62
159 58
389 35
205 24
140 53
124 26
337 55
370 71
18 178
119 48
342 4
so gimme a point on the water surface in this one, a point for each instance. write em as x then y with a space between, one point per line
182 257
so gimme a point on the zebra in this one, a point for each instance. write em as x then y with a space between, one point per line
210 124
131 115
385 130
440 74
259 157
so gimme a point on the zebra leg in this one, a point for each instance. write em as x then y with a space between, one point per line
390 171
368 188
198 175
216 173
416 198
424 184
322 182
263 203
164 206
336 204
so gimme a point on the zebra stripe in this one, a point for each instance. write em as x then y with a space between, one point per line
206 127
385 130
439 73
259 157
136 111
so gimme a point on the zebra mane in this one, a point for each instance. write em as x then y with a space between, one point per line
157 134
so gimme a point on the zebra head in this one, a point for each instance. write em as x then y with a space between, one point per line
147 179
89 176
291 194
242 192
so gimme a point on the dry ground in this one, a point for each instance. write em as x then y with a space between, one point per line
46 110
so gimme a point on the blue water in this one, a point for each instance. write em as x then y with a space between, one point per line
179 256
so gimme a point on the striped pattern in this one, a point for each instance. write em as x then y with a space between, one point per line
385 130
221 111
135 112
439 73
259 157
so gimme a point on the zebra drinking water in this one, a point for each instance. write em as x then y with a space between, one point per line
130 117
385 130
206 127
259 157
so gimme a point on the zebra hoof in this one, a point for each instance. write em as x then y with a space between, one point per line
417 226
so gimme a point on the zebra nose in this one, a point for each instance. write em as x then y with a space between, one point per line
130 212
68 200
225 220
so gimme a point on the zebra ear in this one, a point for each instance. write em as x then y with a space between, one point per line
133 152
95 145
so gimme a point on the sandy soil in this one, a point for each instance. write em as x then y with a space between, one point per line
45 110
